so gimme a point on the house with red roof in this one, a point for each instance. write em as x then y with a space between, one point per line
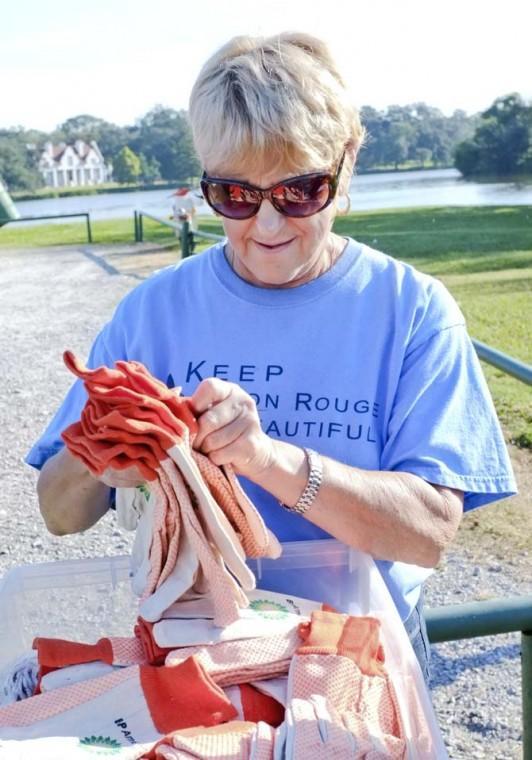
79 163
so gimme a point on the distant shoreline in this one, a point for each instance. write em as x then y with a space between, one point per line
46 193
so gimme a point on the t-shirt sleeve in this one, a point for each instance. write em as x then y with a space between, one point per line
50 441
443 425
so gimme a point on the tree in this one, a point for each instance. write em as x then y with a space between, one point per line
126 167
401 133
164 135
502 142
467 158
372 151
18 159
149 169
397 144
423 155
110 137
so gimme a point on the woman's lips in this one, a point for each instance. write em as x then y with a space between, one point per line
273 246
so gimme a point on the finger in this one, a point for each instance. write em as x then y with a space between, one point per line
226 435
240 453
209 392
221 415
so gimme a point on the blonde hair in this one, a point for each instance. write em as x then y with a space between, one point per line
262 103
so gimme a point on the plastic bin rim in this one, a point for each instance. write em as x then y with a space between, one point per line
318 550
103 566
305 554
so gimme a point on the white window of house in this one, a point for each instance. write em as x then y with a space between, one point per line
70 161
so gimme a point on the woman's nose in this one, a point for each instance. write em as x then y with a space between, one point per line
267 220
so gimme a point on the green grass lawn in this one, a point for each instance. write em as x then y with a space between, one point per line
482 254
107 232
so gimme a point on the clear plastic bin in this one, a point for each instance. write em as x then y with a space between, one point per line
79 599
85 599
326 571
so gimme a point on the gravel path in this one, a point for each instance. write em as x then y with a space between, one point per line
58 298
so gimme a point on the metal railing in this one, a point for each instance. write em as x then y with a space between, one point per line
463 621
138 222
202 235
186 235
506 363
53 216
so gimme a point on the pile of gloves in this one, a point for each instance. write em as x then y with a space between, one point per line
318 690
215 668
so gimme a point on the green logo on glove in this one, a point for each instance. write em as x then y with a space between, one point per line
268 609
145 491
101 745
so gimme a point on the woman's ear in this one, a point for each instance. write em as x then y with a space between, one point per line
349 166
351 155
347 169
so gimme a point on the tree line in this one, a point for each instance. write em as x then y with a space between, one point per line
497 142
501 145
157 147
416 134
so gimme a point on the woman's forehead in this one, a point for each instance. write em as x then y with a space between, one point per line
261 173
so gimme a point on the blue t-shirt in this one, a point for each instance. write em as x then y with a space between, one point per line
369 364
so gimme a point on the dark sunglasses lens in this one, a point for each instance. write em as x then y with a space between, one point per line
303 197
233 201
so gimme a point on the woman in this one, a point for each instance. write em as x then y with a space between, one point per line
339 383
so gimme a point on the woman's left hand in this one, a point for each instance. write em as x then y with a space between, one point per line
229 430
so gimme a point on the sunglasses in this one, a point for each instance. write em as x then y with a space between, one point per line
296 197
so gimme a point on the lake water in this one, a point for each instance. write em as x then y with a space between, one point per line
437 187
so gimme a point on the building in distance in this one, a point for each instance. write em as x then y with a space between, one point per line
79 163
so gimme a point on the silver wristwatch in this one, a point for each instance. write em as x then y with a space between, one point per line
315 478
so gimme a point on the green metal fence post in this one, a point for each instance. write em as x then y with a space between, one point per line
465 621
494 616
89 231
135 227
185 244
526 686
141 228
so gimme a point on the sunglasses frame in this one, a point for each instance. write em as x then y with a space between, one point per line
267 193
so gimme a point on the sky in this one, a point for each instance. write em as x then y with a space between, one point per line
116 59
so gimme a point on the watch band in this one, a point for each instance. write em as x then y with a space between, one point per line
310 491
